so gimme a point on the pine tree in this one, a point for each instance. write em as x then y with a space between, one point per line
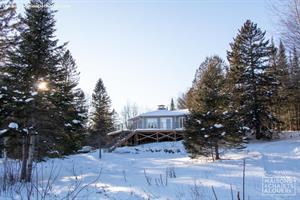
250 84
8 38
9 30
35 65
274 73
284 87
172 105
210 123
102 116
74 114
294 94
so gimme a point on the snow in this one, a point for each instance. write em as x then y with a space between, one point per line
34 93
25 130
18 91
246 128
13 125
81 115
75 121
4 87
29 99
218 126
3 131
68 125
125 171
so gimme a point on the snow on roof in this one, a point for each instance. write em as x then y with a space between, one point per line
163 113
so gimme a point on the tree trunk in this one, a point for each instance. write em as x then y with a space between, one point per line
31 151
5 143
258 134
217 150
24 158
290 118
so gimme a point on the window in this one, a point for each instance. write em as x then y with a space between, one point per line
166 123
181 122
151 123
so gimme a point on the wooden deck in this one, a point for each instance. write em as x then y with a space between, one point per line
141 136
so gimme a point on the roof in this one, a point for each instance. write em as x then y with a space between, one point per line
163 113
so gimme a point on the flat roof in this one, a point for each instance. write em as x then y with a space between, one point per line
163 113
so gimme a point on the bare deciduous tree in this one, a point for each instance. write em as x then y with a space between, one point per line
130 110
288 13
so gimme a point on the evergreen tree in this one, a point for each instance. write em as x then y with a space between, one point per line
72 105
210 123
9 30
274 73
35 65
102 116
250 85
294 94
172 105
8 33
284 86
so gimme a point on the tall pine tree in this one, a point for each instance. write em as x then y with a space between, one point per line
295 90
35 65
9 31
250 85
73 105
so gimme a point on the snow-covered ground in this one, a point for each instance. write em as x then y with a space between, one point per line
164 171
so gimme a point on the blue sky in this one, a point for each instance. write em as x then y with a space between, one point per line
148 51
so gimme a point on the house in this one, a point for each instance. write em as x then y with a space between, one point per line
155 126
160 119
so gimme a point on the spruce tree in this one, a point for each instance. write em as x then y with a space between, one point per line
9 24
9 31
295 89
250 85
210 123
284 86
102 116
70 99
34 64
274 73
172 105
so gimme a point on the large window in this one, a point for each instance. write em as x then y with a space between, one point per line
166 123
152 123
181 122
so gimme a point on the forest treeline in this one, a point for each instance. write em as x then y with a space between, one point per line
256 93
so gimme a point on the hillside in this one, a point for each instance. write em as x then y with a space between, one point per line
140 172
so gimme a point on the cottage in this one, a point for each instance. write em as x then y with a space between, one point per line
161 119
155 126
